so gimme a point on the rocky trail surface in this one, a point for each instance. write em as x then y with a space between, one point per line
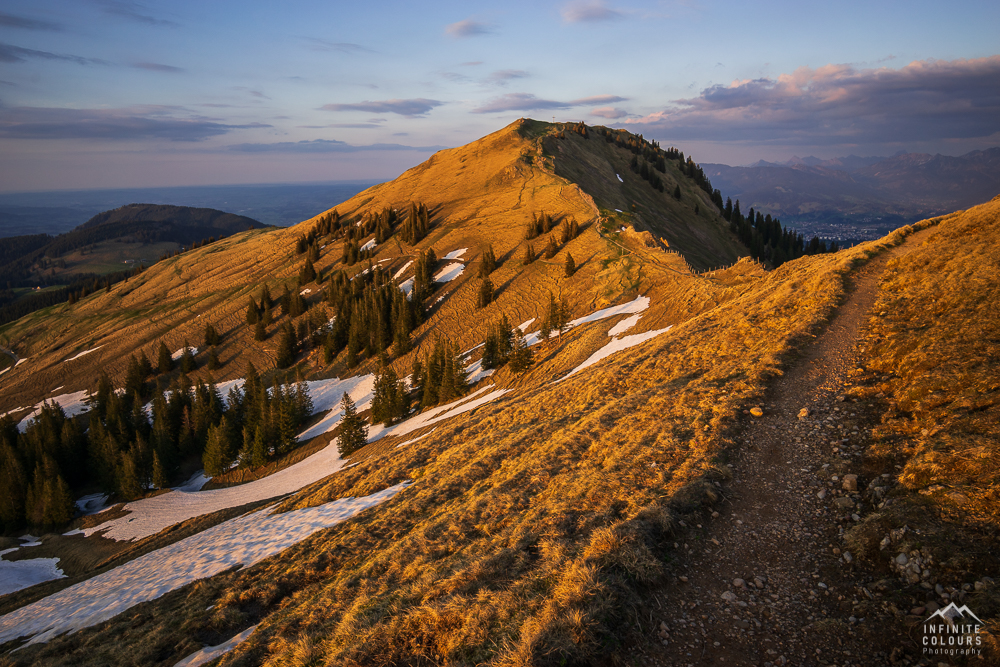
767 580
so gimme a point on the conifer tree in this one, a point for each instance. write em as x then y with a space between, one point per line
521 356
570 265
529 255
485 294
677 192
488 262
213 360
259 331
353 430
551 249
211 336
287 346
165 362
160 479
188 363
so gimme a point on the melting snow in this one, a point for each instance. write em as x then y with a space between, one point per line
245 540
371 245
210 653
402 444
21 361
180 353
440 413
449 273
327 394
524 325
305 291
195 483
15 575
72 404
620 178
456 254
477 373
400 272
624 325
616 345
407 287
78 355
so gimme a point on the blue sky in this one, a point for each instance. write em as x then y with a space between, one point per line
114 93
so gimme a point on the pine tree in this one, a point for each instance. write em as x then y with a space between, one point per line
213 360
287 346
570 265
160 479
551 249
258 448
488 262
253 312
134 378
485 295
521 357
529 255
165 362
259 331
188 363
677 192
211 336
307 273
353 430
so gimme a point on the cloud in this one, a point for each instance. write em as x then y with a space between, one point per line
350 126
840 104
325 146
501 77
317 44
472 63
16 54
158 67
12 21
608 112
133 123
468 28
412 108
528 102
133 11
588 11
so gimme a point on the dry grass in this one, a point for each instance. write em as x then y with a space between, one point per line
933 354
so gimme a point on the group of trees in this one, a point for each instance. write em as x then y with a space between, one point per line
647 172
441 376
132 444
768 240
505 345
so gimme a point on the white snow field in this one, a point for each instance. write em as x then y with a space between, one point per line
449 273
456 254
15 575
210 653
616 345
635 306
72 404
435 415
243 541
624 325
327 394
371 245
81 354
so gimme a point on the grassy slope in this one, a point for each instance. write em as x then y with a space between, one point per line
933 354
532 523
481 193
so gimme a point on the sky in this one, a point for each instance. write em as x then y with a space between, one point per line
115 93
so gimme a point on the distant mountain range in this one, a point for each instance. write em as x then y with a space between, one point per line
852 189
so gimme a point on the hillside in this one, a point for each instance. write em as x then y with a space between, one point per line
41 270
538 516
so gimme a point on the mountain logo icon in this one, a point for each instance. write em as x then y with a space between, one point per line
954 615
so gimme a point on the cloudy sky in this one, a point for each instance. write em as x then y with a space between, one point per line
115 93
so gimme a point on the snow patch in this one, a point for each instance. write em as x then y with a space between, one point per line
402 270
449 273
620 180
624 325
407 287
77 356
402 444
19 574
72 404
477 372
440 413
195 482
371 245
616 345
243 541
327 394
180 353
456 254
305 291
210 653
21 361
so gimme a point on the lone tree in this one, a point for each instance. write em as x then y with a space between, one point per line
165 363
570 265
353 430
485 296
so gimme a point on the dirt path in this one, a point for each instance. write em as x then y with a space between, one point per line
765 580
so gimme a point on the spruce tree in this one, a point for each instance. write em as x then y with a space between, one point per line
165 362
287 346
529 254
211 336
570 265
253 312
188 363
488 262
521 357
551 249
485 295
213 360
353 430
259 331
677 192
